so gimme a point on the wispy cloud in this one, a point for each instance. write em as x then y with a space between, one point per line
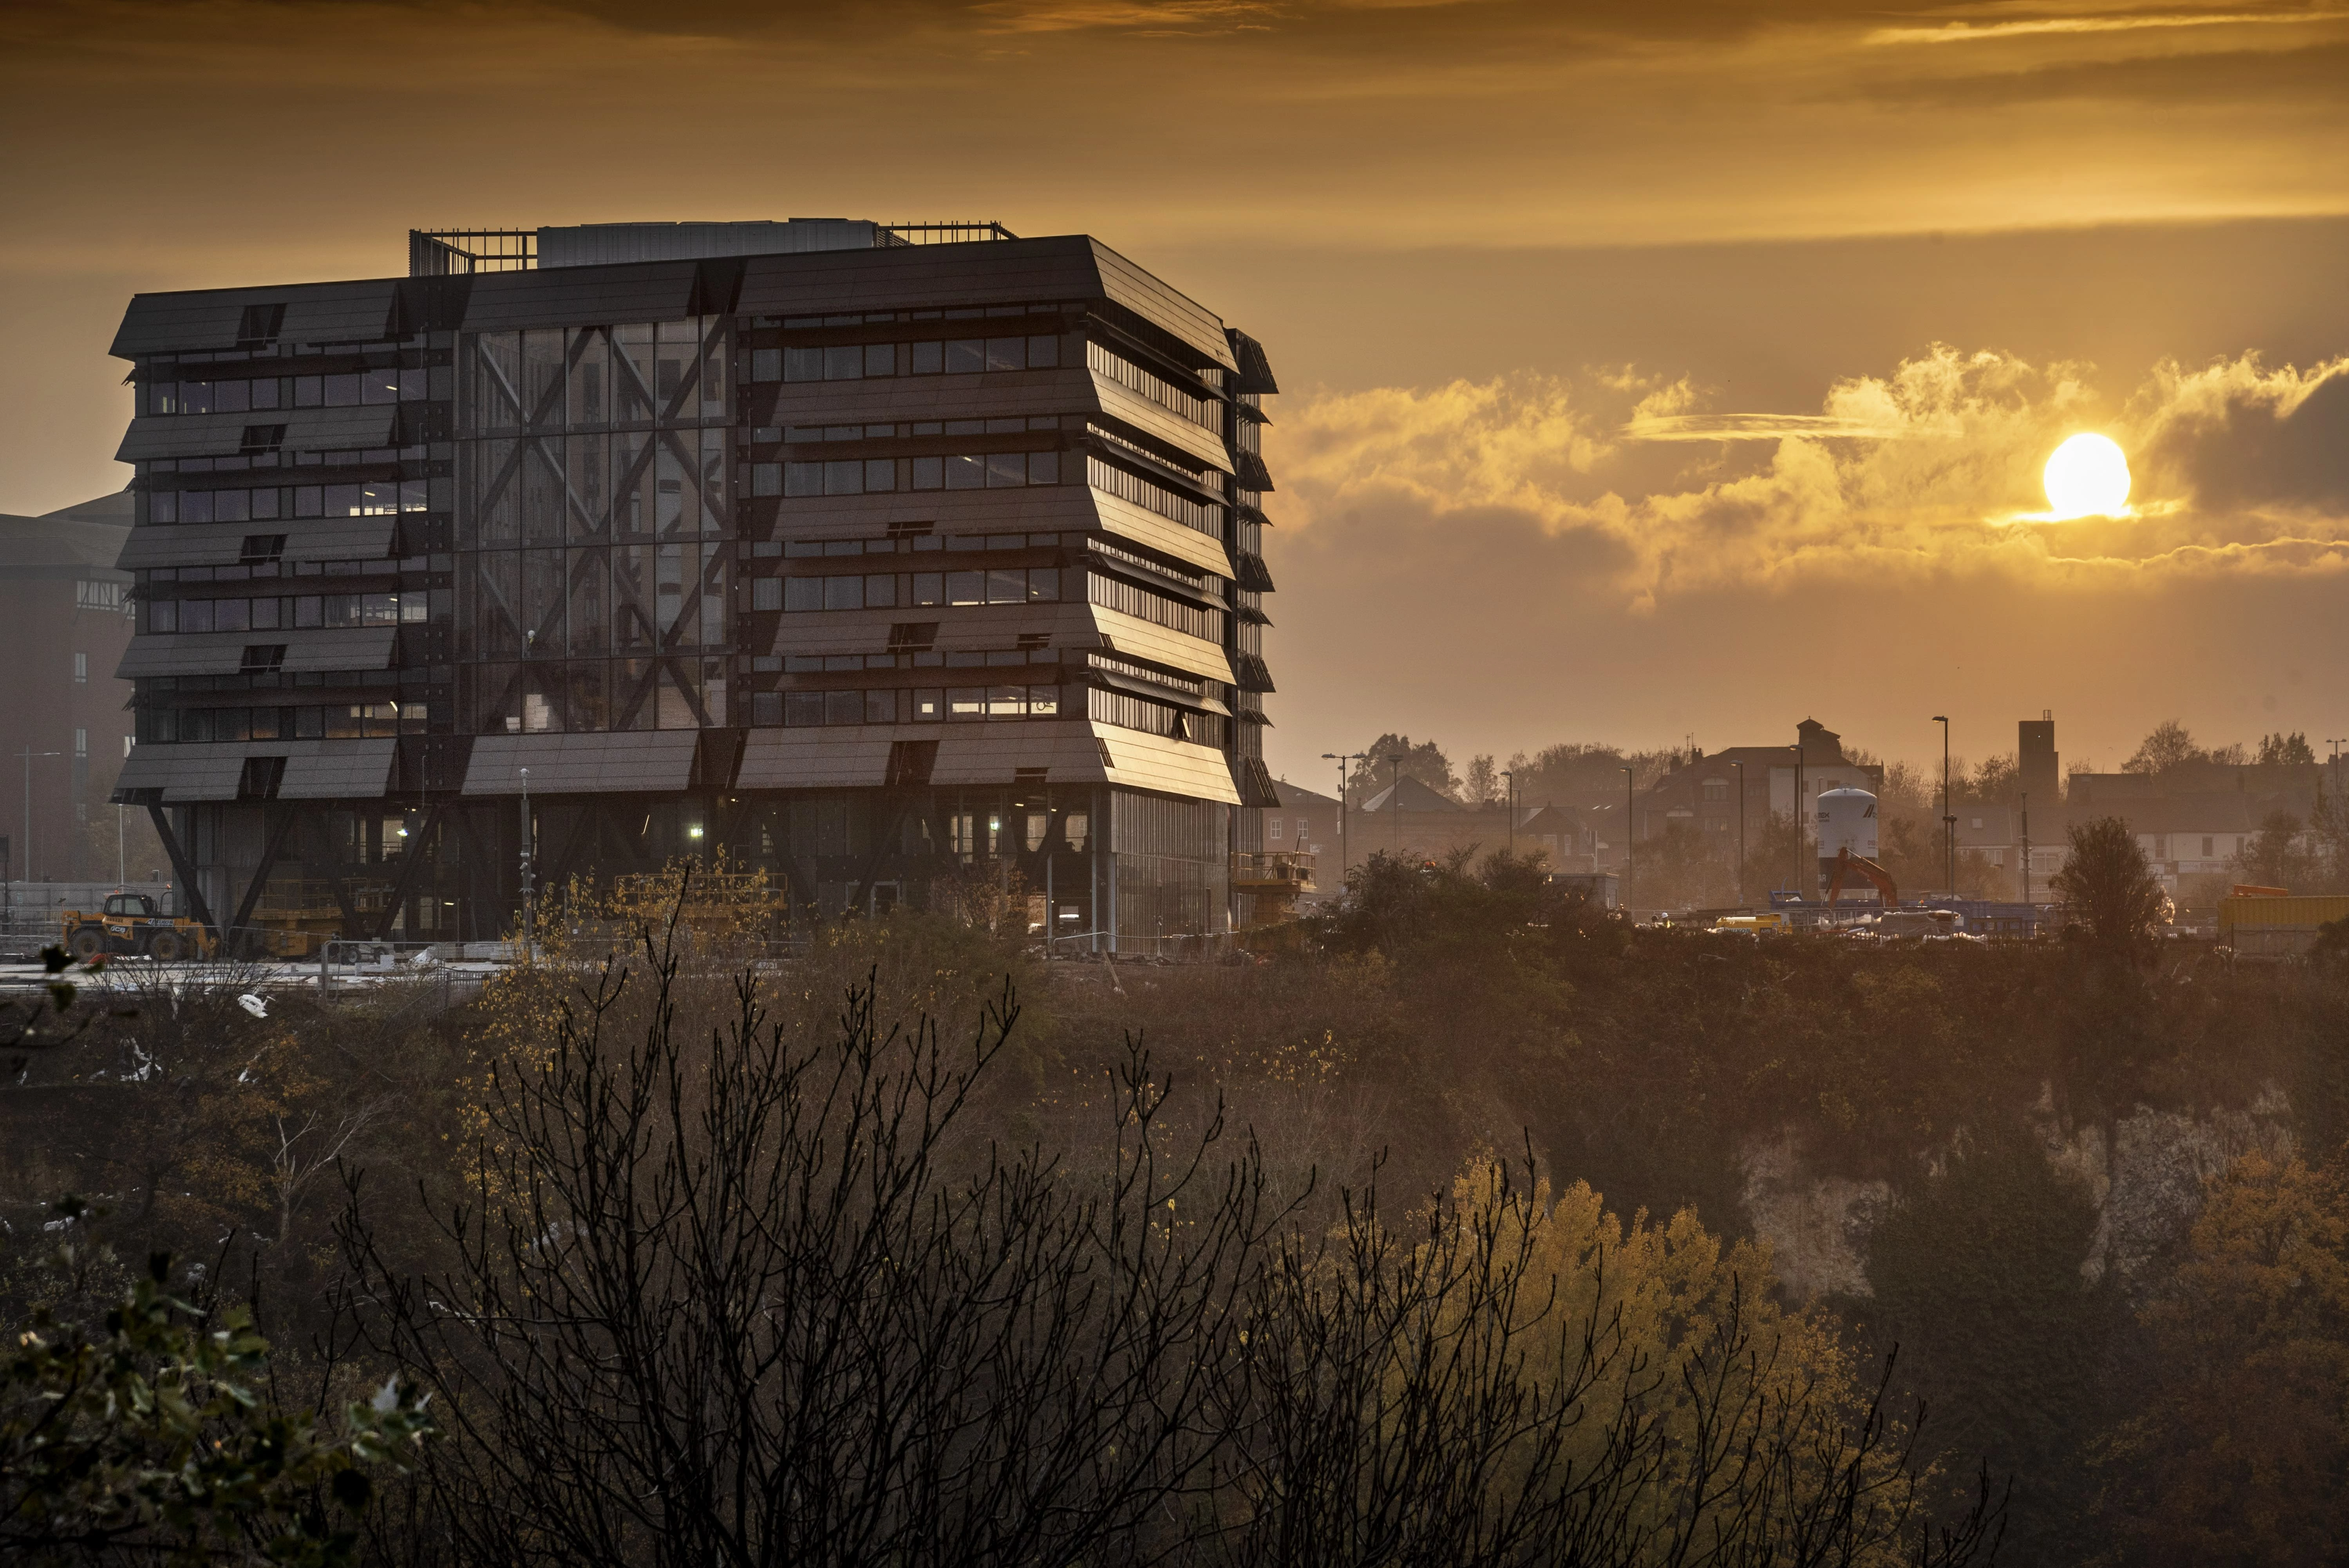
1983 32
1754 427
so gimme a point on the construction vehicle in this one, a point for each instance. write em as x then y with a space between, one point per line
129 926
1770 922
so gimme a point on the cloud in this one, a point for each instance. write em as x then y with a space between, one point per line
1929 471
2236 434
2112 22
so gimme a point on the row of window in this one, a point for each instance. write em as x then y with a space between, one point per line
1200 412
334 721
879 475
267 545
1129 712
93 594
268 392
1176 615
357 457
923 658
801 434
902 705
863 361
891 590
1170 504
636 373
296 611
381 497
904 541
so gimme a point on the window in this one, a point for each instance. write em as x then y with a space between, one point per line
1201 411
1716 789
1177 615
1273 825
81 668
766 593
2206 850
98 596
1002 585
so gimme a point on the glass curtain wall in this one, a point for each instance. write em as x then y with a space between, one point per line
594 528
1173 880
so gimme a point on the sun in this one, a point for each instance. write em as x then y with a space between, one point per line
2087 476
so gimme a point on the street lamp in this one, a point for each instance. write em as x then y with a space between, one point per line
1741 833
1949 821
1510 775
2027 848
1627 838
1341 759
527 900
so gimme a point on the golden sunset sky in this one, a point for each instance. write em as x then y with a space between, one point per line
1650 371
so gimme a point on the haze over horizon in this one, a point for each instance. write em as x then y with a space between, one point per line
1647 373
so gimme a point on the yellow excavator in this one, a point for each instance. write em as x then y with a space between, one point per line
129 926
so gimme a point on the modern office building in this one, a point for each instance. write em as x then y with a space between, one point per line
903 561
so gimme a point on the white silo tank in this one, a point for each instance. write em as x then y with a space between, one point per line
1846 820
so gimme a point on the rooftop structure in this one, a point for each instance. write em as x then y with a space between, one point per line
893 568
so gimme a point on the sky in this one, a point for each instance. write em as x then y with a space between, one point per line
1651 373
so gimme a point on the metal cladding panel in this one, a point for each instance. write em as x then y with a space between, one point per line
1147 640
332 770
1115 399
223 544
580 295
357 648
197 772
995 753
1119 516
976 272
1162 307
634 762
152 436
222 652
840 758
1143 760
356 311
147 767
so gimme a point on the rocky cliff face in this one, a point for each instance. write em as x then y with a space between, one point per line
2146 1176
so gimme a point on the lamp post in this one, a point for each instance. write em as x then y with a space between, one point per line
1510 775
1799 885
527 900
27 754
1626 837
1949 822
2026 847
1341 759
1741 833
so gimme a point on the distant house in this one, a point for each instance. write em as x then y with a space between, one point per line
1702 793
2193 820
1306 823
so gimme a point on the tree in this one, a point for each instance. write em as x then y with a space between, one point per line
160 1441
2108 888
2279 854
2169 747
2280 750
731 1298
1393 755
2238 1453
1482 786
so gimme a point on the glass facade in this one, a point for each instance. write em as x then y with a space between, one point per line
596 542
